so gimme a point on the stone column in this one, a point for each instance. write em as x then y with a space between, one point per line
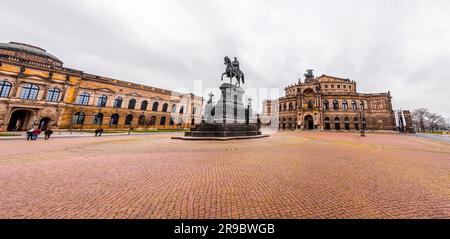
15 88
44 94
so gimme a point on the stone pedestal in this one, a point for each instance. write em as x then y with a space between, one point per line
230 107
224 130
227 119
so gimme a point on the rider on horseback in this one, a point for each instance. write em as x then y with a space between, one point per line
235 65
233 70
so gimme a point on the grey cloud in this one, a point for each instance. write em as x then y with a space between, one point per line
401 46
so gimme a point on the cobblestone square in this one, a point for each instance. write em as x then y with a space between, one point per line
288 175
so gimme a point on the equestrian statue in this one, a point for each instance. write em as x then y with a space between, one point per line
233 71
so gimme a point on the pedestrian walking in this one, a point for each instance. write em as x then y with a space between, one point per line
36 133
98 132
48 133
30 134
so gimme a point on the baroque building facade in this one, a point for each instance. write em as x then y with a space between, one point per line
332 103
36 90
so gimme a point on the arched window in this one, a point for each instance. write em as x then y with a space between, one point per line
326 105
153 120
102 101
5 88
132 104
98 119
284 107
337 123
171 122
174 108
290 107
114 119
182 109
83 98
144 105
194 110
53 95
354 106
327 123
356 123
29 92
141 120
335 105
308 91
118 102
78 118
344 105
165 107
346 123
129 120
162 121
362 105
155 106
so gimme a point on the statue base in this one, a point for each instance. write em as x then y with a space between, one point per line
223 130
231 119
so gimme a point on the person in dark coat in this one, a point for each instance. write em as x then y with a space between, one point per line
48 133
30 134
98 132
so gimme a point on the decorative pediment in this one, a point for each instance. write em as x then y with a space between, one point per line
156 98
106 90
35 77
134 95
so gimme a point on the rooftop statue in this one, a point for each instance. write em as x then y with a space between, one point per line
309 76
233 71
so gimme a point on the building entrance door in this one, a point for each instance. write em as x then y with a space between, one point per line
309 122
44 123
19 120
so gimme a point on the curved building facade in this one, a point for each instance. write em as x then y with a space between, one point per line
36 90
332 103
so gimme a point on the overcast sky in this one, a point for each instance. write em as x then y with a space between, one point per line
401 46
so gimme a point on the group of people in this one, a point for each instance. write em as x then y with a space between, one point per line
33 133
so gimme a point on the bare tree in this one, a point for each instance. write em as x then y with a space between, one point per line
424 120
419 117
435 122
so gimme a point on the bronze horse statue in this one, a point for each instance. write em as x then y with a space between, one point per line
233 70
